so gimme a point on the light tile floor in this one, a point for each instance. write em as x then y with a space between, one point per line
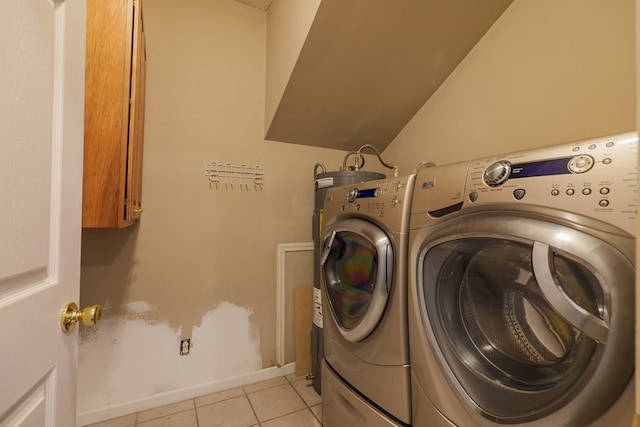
287 401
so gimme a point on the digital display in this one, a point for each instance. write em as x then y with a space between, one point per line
366 193
542 168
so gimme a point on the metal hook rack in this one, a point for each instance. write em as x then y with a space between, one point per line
228 174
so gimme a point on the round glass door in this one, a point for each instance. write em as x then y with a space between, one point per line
523 325
356 261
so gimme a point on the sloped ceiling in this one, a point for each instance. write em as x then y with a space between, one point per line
367 66
260 4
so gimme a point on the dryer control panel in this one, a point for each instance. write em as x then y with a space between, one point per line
387 200
595 178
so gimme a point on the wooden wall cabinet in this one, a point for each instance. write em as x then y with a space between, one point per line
114 113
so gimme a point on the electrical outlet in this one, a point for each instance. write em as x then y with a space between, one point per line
185 346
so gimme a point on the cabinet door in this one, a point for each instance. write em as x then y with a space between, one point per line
136 122
114 113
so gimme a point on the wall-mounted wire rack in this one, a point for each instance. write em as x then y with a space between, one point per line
234 176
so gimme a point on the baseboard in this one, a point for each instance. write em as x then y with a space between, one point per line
155 400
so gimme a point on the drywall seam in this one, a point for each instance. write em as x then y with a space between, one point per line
283 248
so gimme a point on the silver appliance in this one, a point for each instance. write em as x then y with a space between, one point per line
323 181
365 378
521 288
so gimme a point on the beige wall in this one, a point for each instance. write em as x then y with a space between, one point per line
202 261
201 264
288 23
547 72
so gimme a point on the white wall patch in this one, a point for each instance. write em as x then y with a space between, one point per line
129 359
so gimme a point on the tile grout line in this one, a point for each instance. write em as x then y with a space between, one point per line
195 409
194 406
299 395
255 414
167 415
290 384
302 398
304 401
193 401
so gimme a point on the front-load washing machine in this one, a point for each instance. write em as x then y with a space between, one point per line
521 288
365 378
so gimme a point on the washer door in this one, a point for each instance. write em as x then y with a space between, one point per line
530 321
357 264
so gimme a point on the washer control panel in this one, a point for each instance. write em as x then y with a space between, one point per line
595 178
388 200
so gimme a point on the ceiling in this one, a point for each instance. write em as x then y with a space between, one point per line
260 4
368 66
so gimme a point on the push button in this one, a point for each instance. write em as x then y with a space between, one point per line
580 164
473 196
519 193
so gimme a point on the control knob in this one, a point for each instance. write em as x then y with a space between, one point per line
497 173
352 195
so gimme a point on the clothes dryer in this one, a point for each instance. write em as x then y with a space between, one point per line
521 288
324 180
365 378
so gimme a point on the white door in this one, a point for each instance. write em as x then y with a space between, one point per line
41 141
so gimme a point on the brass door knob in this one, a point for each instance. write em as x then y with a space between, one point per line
71 315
